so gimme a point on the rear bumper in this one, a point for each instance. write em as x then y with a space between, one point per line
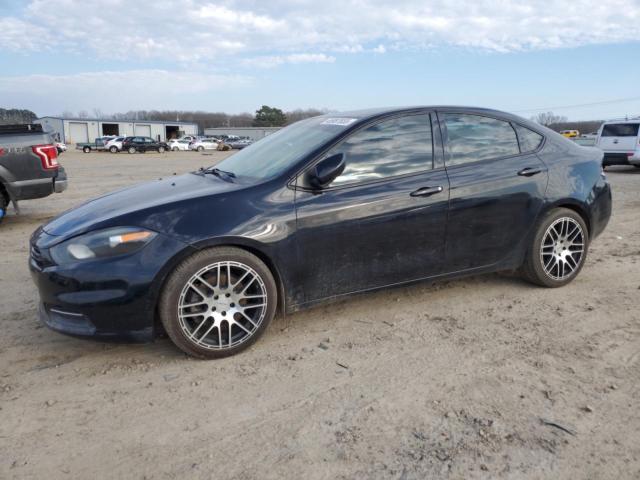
39 187
60 183
611 158
600 208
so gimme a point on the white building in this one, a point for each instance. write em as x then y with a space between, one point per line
254 133
82 130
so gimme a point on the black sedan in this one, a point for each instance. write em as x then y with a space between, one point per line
143 144
327 207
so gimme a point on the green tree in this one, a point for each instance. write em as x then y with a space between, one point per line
269 117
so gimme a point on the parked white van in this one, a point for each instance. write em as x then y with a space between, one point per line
620 141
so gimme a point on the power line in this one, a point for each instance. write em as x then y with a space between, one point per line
579 105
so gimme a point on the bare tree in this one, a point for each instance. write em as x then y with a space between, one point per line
67 114
548 118
83 114
300 114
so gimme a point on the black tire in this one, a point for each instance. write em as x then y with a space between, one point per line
201 148
161 149
637 166
533 269
131 150
86 149
175 149
176 288
113 149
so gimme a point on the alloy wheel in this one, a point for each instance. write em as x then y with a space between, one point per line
562 248
222 305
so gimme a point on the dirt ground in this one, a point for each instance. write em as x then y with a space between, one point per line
487 377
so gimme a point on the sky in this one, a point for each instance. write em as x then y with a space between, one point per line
579 59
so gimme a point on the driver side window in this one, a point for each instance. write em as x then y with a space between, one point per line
386 149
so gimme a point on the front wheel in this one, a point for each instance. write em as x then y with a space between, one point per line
86 149
132 150
218 302
113 149
200 149
559 249
175 149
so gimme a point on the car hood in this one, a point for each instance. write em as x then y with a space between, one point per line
155 205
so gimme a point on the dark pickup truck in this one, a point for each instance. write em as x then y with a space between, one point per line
29 165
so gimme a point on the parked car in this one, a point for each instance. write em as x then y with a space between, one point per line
190 138
143 144
240 144
115 144
60 147
204 144
570 133
99 144
176 145
29 165
327 207
620 141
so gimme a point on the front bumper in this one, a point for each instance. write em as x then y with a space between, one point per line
107 299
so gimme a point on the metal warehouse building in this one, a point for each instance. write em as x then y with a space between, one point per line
254 133
80 130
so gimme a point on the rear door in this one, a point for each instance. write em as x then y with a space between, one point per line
497 188
619 137
383 220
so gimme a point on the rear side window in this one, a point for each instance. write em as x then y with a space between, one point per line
472 138
393 147
529 140
620 130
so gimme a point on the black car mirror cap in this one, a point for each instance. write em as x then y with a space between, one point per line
326 171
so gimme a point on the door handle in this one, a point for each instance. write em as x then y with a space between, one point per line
529 172
426 191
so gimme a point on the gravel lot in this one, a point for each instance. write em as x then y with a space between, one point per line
453 380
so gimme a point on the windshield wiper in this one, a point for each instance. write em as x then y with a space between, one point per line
219 173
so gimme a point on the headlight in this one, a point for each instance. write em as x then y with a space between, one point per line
101 244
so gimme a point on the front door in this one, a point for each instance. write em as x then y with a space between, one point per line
383 220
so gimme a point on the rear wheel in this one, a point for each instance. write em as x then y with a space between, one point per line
161 149
559 249
86 149
132 150
175 149
200 149
113 149
218 302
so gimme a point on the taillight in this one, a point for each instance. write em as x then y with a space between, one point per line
2 151
48 155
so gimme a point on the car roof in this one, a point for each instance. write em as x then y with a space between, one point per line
376 112
629 120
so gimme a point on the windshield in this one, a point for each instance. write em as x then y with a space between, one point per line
277 152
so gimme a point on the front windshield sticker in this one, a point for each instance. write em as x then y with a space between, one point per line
343 122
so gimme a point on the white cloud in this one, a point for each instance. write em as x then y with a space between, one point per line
117 91
275 60
203 31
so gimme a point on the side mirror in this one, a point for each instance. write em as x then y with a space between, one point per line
326 171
